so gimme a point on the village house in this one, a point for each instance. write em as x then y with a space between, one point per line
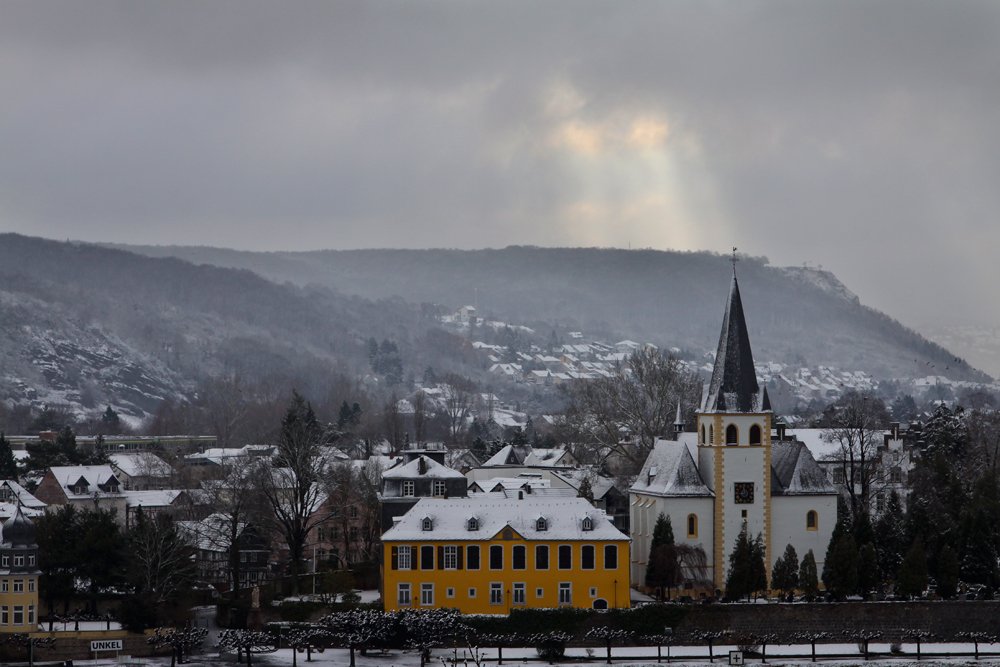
490 554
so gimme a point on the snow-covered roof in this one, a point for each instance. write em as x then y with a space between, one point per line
670 471
813 438
550 456
508 455
162 498
450 516
10 493
140 464
794 471
431 470
95 476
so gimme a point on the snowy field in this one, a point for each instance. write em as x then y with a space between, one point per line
684 656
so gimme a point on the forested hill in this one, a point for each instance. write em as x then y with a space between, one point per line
795 315
86 326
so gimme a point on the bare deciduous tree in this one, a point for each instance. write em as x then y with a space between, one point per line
458 403
623 414
855 424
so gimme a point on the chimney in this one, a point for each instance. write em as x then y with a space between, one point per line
781 426
520 495
421 465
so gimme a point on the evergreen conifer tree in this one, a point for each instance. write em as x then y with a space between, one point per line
867 569
913 572
747 572
663 532
785 573
586 490
890 538
808 579
111 421
8 465
840 570
947 579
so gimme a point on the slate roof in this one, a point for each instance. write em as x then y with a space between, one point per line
794 471
450 517
670 471
734 385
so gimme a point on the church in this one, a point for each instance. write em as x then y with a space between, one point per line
737 470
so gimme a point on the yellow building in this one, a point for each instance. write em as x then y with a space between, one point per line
489 554
18 575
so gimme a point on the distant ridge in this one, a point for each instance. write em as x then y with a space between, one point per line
795 315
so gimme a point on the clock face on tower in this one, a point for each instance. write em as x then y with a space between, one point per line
743 492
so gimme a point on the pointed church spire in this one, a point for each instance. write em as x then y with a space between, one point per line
734 385
678 422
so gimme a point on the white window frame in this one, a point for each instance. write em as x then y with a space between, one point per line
489 553
427 524
31 559
451 558
449 592
18 560
472 592
473 524
496 592
18 586
4 615
31 614
548 557
404 562
404 595
5 586
539 592
439 488
513 560
593 591
593 561
426 595
565 592
18 612
605 556
519 594
31 585
559 557
409 489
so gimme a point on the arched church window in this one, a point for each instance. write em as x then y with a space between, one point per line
692 525
755 434
811 520
732 435
703 434
711 435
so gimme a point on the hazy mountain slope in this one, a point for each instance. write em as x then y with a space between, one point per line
87 325
675 299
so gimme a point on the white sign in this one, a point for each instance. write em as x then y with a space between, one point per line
736 657
106 645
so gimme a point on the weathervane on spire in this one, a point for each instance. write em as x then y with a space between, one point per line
734 260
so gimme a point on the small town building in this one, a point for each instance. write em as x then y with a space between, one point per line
19 575
489 554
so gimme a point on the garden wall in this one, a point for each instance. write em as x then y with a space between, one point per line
944 619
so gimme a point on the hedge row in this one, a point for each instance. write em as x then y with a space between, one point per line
646 620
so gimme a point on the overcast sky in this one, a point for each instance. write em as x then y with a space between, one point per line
862 136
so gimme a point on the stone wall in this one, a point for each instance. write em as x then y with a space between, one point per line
76 646
944 619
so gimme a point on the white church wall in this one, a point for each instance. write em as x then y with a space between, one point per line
645 511
789 526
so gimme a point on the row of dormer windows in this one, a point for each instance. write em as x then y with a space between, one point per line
541 524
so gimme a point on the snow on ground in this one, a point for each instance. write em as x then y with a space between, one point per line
683 656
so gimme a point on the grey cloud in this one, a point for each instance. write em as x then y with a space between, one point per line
863 136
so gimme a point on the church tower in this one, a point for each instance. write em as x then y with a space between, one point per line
734 442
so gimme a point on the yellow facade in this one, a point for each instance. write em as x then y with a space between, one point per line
18 603
578 573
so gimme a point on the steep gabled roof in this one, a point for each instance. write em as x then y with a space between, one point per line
734 385
670 471
430 468
794 471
